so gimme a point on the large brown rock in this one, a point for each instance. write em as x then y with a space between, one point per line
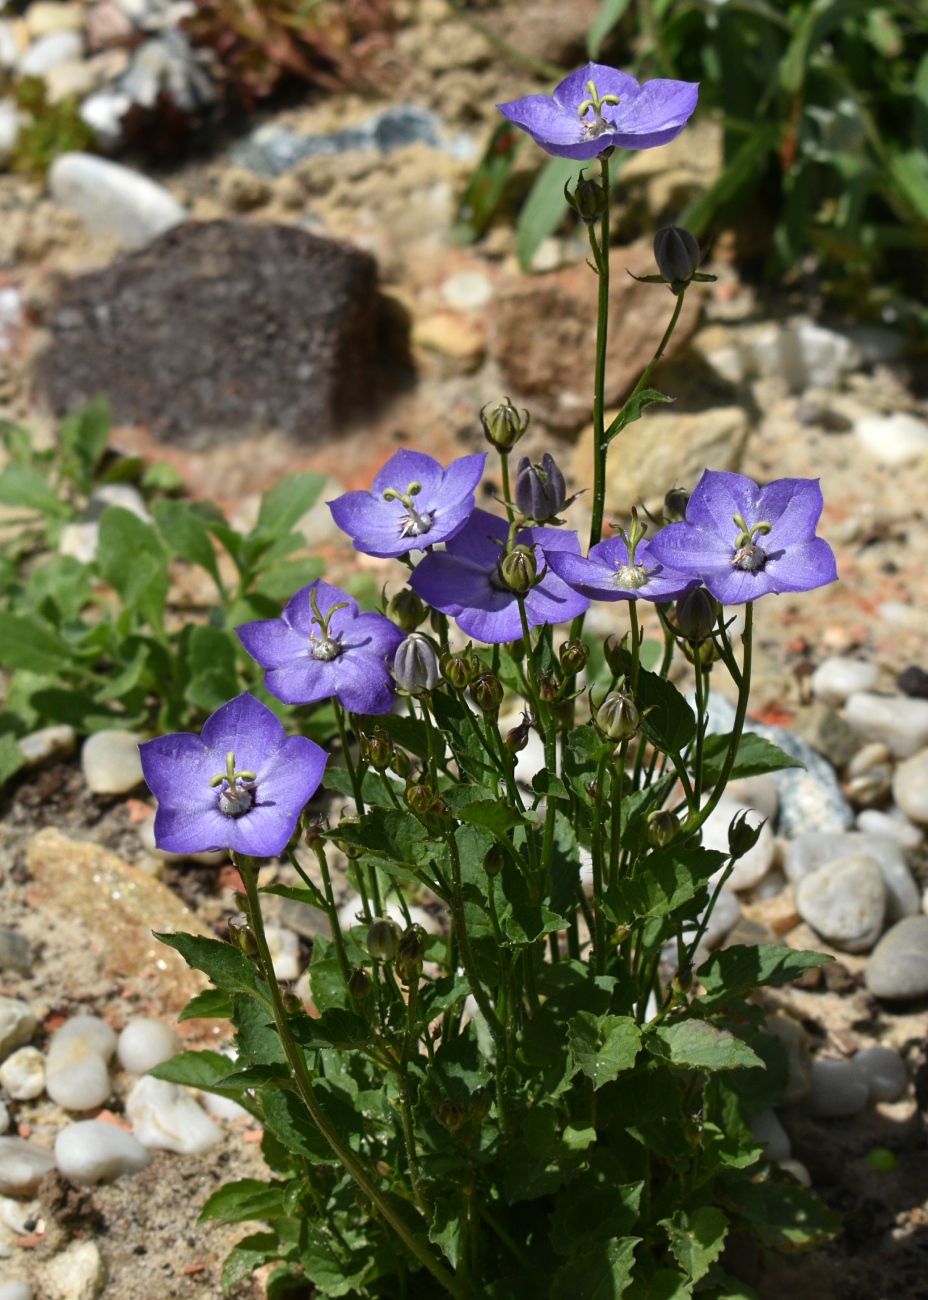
226 325
544 335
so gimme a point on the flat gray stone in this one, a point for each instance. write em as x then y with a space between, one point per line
899 722
113 200
15 953
839 1088
806 853
898 965
827 732
845 902
840 676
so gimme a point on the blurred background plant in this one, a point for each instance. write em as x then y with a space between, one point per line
93 545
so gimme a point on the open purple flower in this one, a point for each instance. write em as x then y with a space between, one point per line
744 541
606 573
241 784
599 107
413 503
322 645
465 581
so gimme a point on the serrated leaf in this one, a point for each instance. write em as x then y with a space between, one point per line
293 1125
600 1274
736 970
549 786
666 718
603 1046
667 878
399 834
211 1004
755 757
447 1228
193 1069
243 1201
247 1257
696 1239
523 919
493 814
599 1215
285 504
336 1027
228 968
701 1045
186 535
783 1215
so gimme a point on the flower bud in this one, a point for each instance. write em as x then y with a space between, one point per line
359 984
241 901
547 686
695 614
383 936
504 426
519 570
616 655
410 952
677 254
406 609
683 980
662 827
400 763
241 936
517 738
313 832
494 859
541 492
702 652
419 798
574 656
480 1104
459 669
451 1115
675 503
378 749
588 199
617 717
487 692
621 933
516 649
742 836
415 665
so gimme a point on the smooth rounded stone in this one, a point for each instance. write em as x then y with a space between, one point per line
910 787
76 1074
92 1152
46 16
767 1128
799 1060
14 1288
284 947
467 290
49 52
47 744
165 1116
11 120
110 761
840 676
93 1032
798 1170
875 754
823 727
104 111
899 722
913 681
123 495
845 902
885 1072
4 1117
78 1273
80 541
758 792
725 914
895 439
143 1044
871 787
771 886
898 965
839 1088
23 1165
224 1107
23 1074
17 1025
895 824
807 853
15 953
113 200
757 861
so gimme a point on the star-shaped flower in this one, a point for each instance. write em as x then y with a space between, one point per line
743 541
241 784
599 107
464 580
413 503
322 645
606 574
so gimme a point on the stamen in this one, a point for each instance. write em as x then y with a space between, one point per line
630 577
238 796
748 555
325 647
592 130
412 523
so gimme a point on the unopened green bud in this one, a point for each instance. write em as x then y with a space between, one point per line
459 669
617 717
480 1104
517 738
419 798
695 614
677 254
241 936
313 831
742 836
675 503
451 1115
504 425
383 936
616 655
519 570
487 692
574 656
359 984
411 951
588 199
621 933
406 609
494 859
547 686
702 652
663 825
241 901
378 749
400 763
516 649
683 980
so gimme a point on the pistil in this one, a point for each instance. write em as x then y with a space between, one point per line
593 130
238 796
749 557
412 523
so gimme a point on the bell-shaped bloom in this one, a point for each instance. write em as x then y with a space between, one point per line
240 785
743 541
605 574
413 503
323 646
465 581
599 107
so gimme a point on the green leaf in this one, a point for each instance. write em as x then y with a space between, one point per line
247 1257
400 835
291 1121
186 535
493 814
920 105
132 558
549 786
522 918
23 486
634 409
755 757
581 1218
781 1214
228 968
27 643
668 878
336 1027
211 1004
286 578
740 176
734 971
600 1274
487 183
214 676
193 1069
446 1228
666 718
162 476
696 1239
11 757
243 1201
611 13
83 437
701 1045
603 1046
909 170
288 501
545 207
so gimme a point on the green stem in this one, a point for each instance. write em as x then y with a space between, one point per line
600 446
507 490
332 912
405 1103
598 935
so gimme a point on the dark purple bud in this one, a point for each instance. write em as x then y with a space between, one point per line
487 692
359 984
406 609
617 717
494 859
517 738
742 836
541 492
519 570
675 503
451 1115
677 254
548 687
383 936
574 656
415 665
410 953
313 832
696 614
504 425
378 749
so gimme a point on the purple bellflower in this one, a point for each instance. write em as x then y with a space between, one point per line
465 581
322 645
413 503
607 574
240 785
599 107
744 541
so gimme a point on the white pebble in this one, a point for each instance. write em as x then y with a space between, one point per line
876 754
143 1044
17 1025
284 948
49 52
884 1071
899 722
467 290
758 792
4 1118
23 1074
895 823
839 676
725 914
91 1151
47 743
839 1088
767 1128
798 1170
78 1273
14 1288
23 1165
76 1074
110 762
755 864
224 1107
165 1116
895 439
